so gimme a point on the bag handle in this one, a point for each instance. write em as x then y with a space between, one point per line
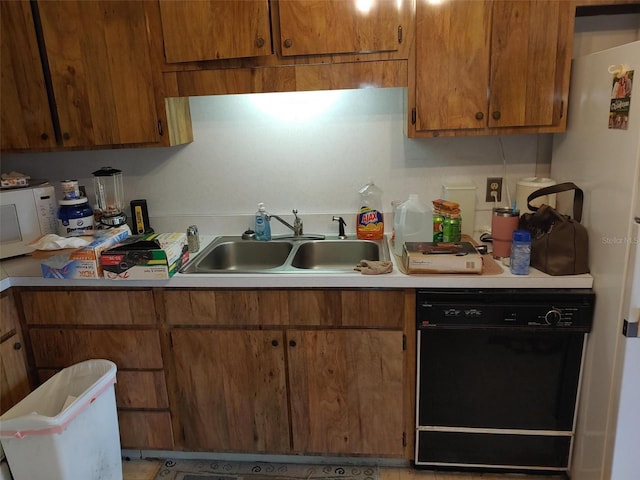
578 197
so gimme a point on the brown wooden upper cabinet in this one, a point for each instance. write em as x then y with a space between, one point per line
315 27
215 30
26 120
223 29
103 89
488 66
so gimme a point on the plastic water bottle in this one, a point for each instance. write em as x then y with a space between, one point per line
413 222
520 252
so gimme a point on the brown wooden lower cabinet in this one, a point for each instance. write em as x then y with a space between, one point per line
145 430
14 381
231 390
274 371
141 394
345 390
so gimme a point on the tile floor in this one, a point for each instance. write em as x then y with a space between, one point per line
147 469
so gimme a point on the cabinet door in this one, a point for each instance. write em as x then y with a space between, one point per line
452 64
310 27
528 46
99 59
26 120
14 382
231 390
346 389
215 29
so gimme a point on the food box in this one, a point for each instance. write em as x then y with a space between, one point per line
85 261
437 257
153 256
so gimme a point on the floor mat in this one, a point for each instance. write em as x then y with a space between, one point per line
223 470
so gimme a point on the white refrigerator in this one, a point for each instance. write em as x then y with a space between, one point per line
605 163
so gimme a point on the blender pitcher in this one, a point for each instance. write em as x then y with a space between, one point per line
108 185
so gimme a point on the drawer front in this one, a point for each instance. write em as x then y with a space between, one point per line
225 307
128 349
141 390
148 430
304 307
347 308
76 307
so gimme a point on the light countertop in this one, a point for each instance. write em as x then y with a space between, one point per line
25 271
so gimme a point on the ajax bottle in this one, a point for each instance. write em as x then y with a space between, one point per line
370 219
262 226
413 222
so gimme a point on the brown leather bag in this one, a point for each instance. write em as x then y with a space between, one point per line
559 243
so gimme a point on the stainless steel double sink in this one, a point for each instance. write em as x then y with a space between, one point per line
232 254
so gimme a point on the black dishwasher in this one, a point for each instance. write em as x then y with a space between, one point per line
498 374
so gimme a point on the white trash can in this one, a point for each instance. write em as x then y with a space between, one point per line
66 429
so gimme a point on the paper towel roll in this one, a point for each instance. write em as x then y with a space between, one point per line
526 186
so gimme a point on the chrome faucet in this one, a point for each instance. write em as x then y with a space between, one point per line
297 223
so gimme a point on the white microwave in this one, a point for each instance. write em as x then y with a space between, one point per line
26 214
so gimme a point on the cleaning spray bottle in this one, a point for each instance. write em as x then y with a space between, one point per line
370 219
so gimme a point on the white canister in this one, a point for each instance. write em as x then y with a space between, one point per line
526 186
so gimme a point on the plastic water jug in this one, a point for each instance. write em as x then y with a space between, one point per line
413 222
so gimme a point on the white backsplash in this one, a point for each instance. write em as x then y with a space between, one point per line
242 155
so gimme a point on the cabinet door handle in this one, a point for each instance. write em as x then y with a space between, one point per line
288 43
259 42
44 136
479 116
292 343
496 115
17 346
274 343
66 136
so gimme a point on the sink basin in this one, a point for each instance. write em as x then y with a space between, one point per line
231 254
242 255
332 255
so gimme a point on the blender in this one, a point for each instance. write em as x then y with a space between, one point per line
108 185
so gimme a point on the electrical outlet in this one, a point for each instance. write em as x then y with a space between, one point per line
494 184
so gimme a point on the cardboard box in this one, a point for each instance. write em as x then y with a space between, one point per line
146 257
85 261
434 257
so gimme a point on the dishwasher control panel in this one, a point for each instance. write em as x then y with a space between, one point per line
536 308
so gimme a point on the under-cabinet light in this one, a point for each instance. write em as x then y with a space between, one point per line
295 106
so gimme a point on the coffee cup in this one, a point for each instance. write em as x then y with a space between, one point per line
503 223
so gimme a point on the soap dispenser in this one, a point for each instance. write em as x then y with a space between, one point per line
262 226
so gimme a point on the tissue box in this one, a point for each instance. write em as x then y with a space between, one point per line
85 261
435 257
146 257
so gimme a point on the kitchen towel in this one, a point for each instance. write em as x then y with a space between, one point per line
374 267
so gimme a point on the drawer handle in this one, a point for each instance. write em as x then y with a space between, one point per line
292 343
274 343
